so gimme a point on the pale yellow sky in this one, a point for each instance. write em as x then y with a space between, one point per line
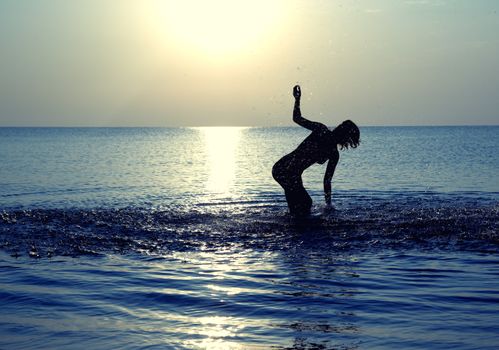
172 63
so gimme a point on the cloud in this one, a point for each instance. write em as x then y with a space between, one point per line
373 11
417 2
424 3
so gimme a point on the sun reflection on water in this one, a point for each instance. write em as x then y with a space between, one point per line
216 328
221 145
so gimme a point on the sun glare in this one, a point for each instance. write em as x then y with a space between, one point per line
221 144
218 27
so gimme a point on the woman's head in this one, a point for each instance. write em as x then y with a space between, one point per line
347 134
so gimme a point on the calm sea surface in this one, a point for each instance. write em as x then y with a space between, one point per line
179 238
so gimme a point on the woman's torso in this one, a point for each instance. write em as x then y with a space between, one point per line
318 147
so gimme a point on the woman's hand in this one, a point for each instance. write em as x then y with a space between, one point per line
328 209
297 92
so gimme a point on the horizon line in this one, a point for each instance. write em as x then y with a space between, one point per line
234 126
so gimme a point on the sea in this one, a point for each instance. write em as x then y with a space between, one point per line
179 238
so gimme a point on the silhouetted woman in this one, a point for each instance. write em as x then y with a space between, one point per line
320 146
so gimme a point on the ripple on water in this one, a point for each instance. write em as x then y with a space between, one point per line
242 298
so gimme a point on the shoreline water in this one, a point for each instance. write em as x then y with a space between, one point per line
459 222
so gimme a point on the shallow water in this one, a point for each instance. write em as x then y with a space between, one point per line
180 239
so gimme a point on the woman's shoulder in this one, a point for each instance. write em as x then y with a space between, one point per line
323 129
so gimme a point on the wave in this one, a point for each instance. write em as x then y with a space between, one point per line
371 223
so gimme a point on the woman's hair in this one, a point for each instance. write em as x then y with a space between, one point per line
348 134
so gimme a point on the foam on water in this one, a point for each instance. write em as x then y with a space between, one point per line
366 222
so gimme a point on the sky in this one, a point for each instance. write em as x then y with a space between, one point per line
234 63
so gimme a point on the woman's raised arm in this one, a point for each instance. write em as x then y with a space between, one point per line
297 117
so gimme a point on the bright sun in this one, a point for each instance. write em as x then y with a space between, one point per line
218 27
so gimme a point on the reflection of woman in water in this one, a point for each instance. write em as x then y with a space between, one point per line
321 145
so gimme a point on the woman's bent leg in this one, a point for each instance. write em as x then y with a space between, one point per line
299 201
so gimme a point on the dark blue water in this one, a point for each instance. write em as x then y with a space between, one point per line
180 239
